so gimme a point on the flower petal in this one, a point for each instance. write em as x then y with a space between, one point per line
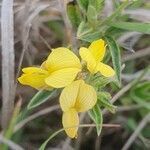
70 119
62 78
87 97
97 48
105 70
34 70
69 95
61 58
34 77
88 58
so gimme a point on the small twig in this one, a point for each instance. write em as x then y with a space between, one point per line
136 132
104 125
11 144
34 116
98 142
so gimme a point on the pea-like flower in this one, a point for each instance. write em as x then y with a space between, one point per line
93 55
76 97
59 70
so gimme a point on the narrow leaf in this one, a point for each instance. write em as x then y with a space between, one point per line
98 4
116 58
83 4
92 15
83 29
116 13
96 116
74 14
141 94
90 36
132 26
41 97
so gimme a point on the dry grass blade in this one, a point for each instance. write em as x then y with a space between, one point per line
33 10
139 14
141 53
34 116
7 38
26 31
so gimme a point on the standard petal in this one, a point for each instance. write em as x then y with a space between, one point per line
88 58
61 58
105 70
34 79
70 119
98 48
69 95
86 99
62 78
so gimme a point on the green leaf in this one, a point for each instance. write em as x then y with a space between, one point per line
116 58
141 94
88 35
116 13
83 4
132 26
41 97
96 116
98 4
83 29
92 15
103 99
74 14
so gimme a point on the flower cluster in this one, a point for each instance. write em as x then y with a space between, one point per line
64 69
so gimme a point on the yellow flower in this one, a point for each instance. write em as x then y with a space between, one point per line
76 97
59 70
93 57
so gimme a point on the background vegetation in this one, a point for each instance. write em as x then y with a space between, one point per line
29 29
